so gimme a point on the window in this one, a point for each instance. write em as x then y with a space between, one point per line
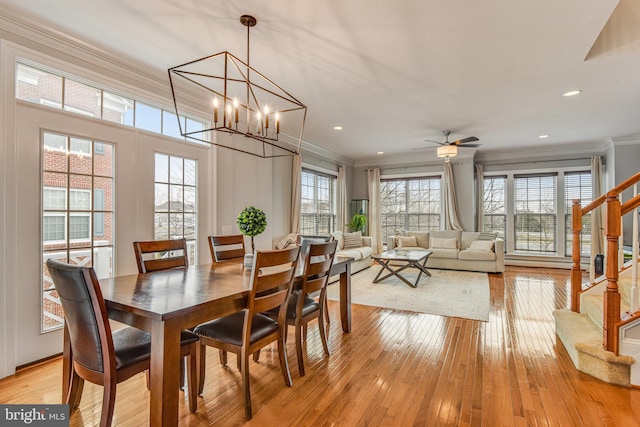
411 204
175 201
577 185
71 175
494 205
535 213
54 90
318 204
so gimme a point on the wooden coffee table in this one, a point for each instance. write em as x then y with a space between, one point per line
411 258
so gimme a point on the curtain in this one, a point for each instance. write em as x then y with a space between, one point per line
296 193
597 219
480 197
375 221
451 216
343 205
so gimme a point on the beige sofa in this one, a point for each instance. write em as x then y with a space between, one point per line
358 247
455 250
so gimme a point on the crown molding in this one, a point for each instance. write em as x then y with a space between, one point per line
312 149
559 152
633 139
27 27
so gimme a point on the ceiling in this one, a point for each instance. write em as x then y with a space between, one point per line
394 74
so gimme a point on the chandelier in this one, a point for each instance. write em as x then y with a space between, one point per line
447 151
240 102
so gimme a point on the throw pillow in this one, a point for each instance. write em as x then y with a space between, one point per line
407 241
481 245
338 235
422 238
352 240
287 240
443 243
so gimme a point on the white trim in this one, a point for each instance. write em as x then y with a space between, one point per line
413 175
319 169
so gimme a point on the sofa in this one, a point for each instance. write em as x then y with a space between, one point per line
353 245
454 249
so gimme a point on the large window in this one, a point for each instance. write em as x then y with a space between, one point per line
411 204
494 205
318 204
176 201
76 227
54 90
577 185
532 212
535 213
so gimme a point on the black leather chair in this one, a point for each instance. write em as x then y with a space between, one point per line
247 331
99 355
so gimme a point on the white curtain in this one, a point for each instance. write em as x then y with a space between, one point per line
343 205
451 216
480 197
597 219
375 221
296 193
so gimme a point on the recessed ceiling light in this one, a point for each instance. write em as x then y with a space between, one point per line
543 136
572 93
338 128
380 152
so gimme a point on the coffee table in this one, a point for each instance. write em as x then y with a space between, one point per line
410 258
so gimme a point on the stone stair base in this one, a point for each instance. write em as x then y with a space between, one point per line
583 341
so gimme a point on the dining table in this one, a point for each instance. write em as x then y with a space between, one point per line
168 301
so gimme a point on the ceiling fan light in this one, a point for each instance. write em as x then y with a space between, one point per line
447 151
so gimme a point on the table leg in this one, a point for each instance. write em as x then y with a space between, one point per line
72 385
345 298
165 374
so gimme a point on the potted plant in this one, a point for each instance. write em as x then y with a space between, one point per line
251 221
358 222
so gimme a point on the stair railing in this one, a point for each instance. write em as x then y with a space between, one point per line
613 229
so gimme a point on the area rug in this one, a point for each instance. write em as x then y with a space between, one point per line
446 293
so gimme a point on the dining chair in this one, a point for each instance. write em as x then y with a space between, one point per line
155 255
160 254
246 332
226 247
99 355
302 307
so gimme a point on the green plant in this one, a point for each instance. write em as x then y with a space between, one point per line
358 222
252 221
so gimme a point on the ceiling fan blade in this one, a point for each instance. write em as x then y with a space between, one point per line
470 145
465 140
422 148
433 141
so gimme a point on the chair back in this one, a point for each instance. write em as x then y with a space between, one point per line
163 254
226 247
317 266
85 314
271 280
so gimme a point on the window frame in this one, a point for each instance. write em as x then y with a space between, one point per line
330 217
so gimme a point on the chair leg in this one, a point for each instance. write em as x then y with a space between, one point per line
108 403
201 355
239 362
299 356
246 388
75 390
223 357
192 364
147 375
284 363
304 331
326 313
256 356
323 333
182 373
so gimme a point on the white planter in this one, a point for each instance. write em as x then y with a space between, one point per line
248 261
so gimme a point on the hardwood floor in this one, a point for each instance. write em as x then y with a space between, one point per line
395 369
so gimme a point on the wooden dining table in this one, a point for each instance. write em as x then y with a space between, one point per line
166 302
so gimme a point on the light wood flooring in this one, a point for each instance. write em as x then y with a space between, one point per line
395 369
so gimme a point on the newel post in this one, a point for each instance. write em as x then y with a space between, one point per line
611 295
576 274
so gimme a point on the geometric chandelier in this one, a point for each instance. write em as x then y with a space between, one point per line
248 112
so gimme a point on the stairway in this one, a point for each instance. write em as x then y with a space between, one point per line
581 334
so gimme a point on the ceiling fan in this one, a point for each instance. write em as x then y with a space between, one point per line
448 148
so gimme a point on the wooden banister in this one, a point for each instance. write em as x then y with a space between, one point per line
613 227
